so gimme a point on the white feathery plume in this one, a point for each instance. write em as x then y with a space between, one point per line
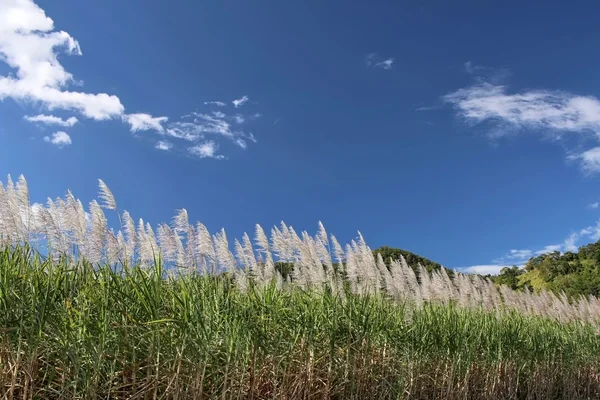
439 291
114 247
387 282
130 237
282 244
11 210
239 252
51 229
182 226
289 243
451 290
352 273
338 252
168 245
322 234
190 248
314 263
205 248
96 237
368 267
278 244
180 221
145 247
250 265
75 219
104 193
263 246
224 255
321 244
151 237
425 281
403 290
22 197
180 255
411 279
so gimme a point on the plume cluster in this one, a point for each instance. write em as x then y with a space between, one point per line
63 227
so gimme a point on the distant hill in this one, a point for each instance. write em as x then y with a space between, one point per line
391 253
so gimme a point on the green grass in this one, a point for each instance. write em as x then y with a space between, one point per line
75 331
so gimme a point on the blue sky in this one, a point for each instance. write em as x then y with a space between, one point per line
467 132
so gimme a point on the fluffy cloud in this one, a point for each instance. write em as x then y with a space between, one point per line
51 120
589 160
163 145
145 122
207 149
375 61
520 254
29 44
240 102
60 139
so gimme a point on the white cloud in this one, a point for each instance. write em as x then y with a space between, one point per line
570 242
163 145
520 254
216 123
589 160
31 47
51 120
492 269
59 139
550 249
592 231
207 149
385 64
550 110
240 102
145 122
215 103
593 205
29 44
375 61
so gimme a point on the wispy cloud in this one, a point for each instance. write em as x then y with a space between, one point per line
593 205
60 139
215 103
207 149
163 145
215 123
51 120
533 109
145 122
30 46
375 61
548 112
240 102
